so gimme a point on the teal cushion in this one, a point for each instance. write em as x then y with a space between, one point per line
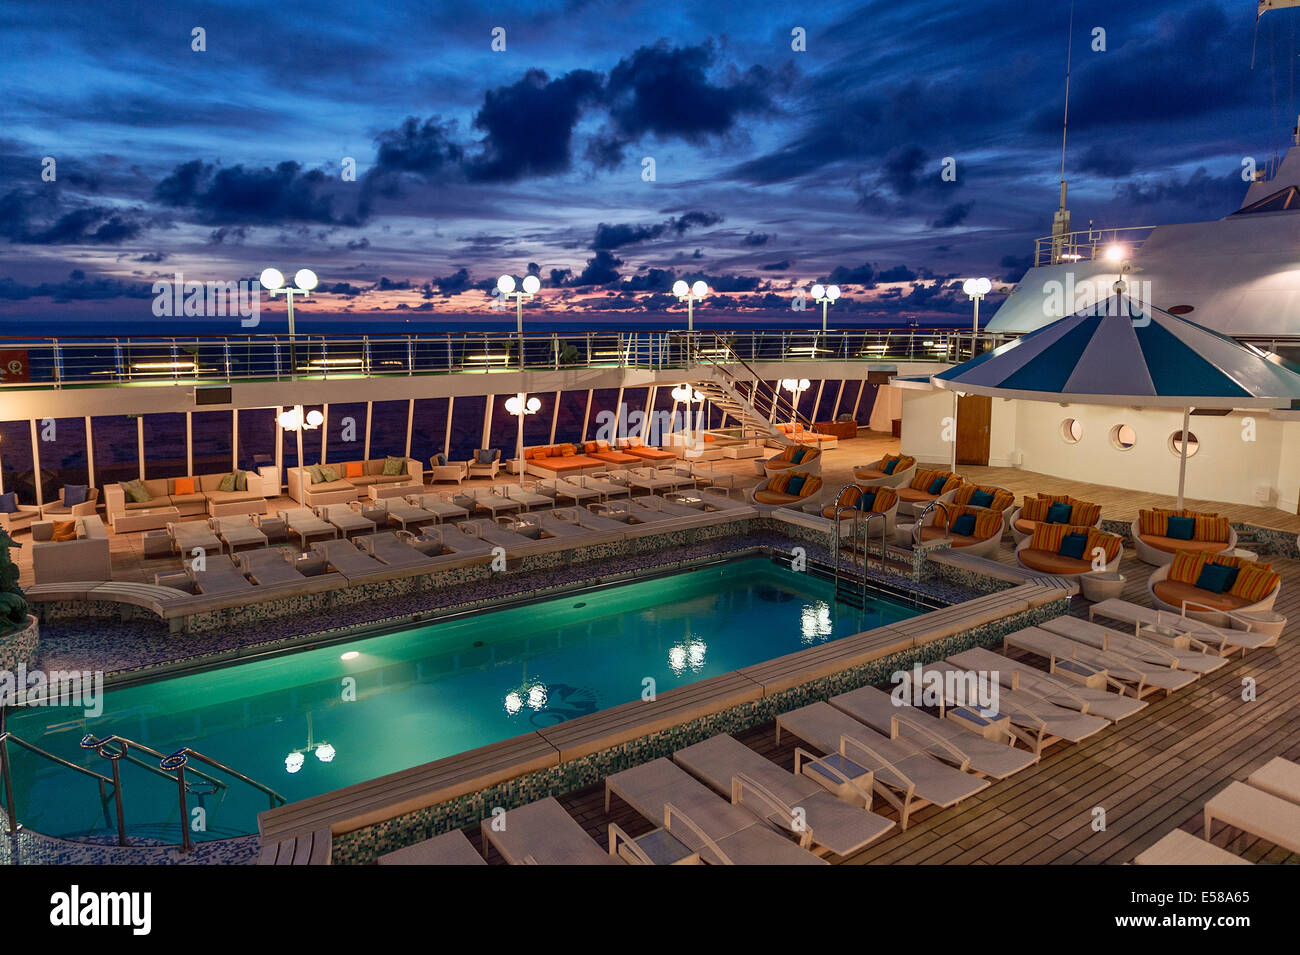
1059 513
796 484
981 499
891 465
1216 577
936 486
866 501
964 525
798 454
1181 528
1073 545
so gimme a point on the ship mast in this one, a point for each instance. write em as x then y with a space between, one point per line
1061 218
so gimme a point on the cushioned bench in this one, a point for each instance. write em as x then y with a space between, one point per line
1156 534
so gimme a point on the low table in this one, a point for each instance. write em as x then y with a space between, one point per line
380 492
157 544
742 451
145 519
839 429
1102 585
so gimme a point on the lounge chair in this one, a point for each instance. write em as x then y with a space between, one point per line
1259 813
939 738
1225 640
643 479
980 536
304 523
450 848
657 457
902 772
1177 586
438 505
1063 653
1278 776
702 472
792 489
1037 722
272 565
916 494
218 576
1037 508
1071 696
477 499
1041 551
347 519
1149 651
388 547
723 834
498 536
606 489
629 511
876 475
795 456
447 538
1183 848
772 793
237 531
528 498
407 515
342 556
861 501
1210 534
194 535
538 527
542 833
666 478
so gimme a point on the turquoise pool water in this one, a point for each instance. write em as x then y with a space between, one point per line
307 722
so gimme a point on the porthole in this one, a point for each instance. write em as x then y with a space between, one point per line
1122 437
1071 430
1176 444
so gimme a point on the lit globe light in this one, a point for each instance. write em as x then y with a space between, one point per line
700 289
677 658
833 292
818 291
290 420
531 284
513 703
537 697
272 279
506 284
1116 251
325 753
293 762
305 279
314 418
680 288
534 404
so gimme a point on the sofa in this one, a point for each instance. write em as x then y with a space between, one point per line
856 500
790 489
901 470
1184 583
987 496
798 433
1041 551
205 497
916 494
795 457
350 480
1157 542
83 556
1037 509
561 460
980 539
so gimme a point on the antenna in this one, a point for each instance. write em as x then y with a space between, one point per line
1061 220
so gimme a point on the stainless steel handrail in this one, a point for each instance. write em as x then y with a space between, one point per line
920 520
176 763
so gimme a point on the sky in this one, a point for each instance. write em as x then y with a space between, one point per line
411 152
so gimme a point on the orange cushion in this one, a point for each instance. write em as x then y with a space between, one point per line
1050 562
353 469
590 447
767 496
1186 566
183 485
569 452
1174 592
65 531
1254 582
602 445
1174 544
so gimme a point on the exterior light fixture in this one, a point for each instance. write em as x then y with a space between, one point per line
826 295
304 280
520 405
520 291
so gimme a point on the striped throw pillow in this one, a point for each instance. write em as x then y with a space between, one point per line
886 497
779 483
811 486
1210 528
1048 537
1254 582
1086 513
921 480
987 524
1154 523
1186 566
1109 543
1035 509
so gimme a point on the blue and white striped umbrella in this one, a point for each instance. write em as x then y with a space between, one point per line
1123 353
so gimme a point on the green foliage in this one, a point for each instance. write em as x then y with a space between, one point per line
13 605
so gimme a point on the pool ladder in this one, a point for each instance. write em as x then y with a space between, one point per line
115 749
859 530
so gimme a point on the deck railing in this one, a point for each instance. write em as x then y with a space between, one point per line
81 362
1088 244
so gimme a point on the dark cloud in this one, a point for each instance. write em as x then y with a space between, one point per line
76 288
899 273
1113 161
234 195
781 266
528 126
602 269
954 215
361 243
755 239
616 235
458 281
425 149
151 257
343 288
228 235
1200 190
39 219
863 275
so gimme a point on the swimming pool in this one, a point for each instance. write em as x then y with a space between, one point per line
311 721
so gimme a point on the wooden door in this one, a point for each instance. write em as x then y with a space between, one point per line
974 414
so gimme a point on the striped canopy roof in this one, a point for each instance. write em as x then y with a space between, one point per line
1120 352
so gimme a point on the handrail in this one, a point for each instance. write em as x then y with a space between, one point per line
99 745
920 520
222 767
759 384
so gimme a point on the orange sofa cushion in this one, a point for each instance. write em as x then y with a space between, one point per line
64 531
183 485
1050 562
1174 592
353 469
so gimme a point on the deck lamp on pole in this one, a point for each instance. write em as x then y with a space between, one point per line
520 405
690 294
796 387
976 289
292 419
520 291
826 294
686 395
304 280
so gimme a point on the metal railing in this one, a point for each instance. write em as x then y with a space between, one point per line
1089 244
80 362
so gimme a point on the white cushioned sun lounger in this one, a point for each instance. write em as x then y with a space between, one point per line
345 519
1071 696
237 531
772 793
937 737
630 510
406 514
344 557
439 506
218 576
1224 640
194 534
450 848
452 538
483 499
902 772
542 833
556 528
272 565
498 536
1150 651
606 489
602 527
1047 721
1183 848
1142 677
664 478
303 522
722 833
529 499
393 551
1256 812
1278 776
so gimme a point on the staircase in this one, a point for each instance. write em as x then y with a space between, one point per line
737 389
